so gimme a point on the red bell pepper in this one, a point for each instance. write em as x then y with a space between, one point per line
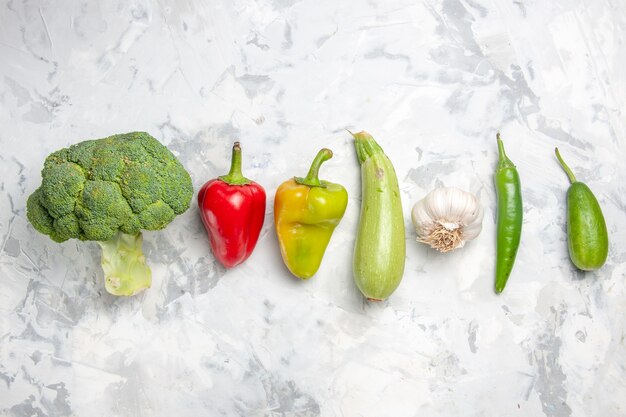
232 208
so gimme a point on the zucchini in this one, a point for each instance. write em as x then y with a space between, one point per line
380 249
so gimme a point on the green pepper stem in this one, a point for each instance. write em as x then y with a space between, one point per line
365 145
568 171
234 176
312 178
504 161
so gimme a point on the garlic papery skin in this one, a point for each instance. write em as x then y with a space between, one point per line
447 218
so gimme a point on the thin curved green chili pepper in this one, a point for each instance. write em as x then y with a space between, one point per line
509 216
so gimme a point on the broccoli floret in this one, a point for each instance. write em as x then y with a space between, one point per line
108 190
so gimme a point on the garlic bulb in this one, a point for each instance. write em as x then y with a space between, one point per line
447 218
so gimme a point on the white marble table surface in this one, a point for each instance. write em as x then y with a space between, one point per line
432 80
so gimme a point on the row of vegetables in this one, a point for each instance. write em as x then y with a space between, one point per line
108 190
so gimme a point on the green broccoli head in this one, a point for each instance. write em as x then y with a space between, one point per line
95 188
98 189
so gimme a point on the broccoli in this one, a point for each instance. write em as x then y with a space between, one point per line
108 190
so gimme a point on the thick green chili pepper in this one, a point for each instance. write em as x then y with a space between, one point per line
509 216
587 237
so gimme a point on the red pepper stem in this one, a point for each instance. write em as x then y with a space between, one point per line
312 178
234 176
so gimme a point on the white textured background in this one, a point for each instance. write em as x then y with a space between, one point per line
432 80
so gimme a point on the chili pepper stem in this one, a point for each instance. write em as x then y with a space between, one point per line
234 176
504 161
312 178
501 152
568 171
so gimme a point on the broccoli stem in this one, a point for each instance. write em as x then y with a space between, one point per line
124 265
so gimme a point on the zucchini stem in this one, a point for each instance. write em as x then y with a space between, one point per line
365 145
